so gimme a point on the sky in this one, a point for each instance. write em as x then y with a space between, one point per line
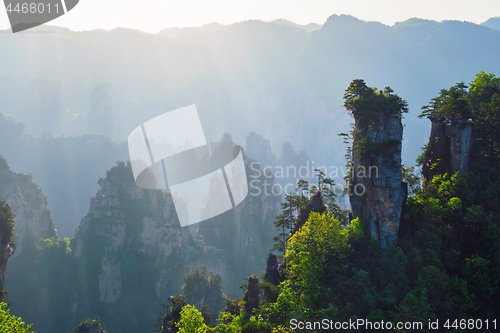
154 15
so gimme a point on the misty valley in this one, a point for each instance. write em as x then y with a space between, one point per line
371 155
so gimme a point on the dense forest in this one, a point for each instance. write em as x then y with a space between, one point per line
442 271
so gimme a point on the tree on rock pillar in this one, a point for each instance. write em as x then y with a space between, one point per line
376 190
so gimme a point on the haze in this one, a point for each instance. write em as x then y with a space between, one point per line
154 15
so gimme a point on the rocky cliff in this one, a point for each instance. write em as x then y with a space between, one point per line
6 238
126 223
131 253
244 235
29 205
449 147
377 193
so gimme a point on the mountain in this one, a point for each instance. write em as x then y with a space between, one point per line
65 167
307 27
278 80
33 220
129 254
492 23
252 75
188 32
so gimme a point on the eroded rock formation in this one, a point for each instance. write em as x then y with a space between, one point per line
272 274
5 253
244 234
29 205
317 204
127 225
252 298
376 192
449 147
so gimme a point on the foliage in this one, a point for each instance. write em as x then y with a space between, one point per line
202 285
171 316
445 264
363 100
228 323
87 325
411 177
44 267
483 88
191 321
296 208
286 220
319 240
452 105
254 326
6 225
10 323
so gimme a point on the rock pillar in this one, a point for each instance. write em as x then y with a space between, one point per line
449 149
377 193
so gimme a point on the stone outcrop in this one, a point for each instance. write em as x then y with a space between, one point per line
127 220
32 218
317 204
449 148
244 234
272 275
110 282
252 297
89 328
376 192
28 204
5 253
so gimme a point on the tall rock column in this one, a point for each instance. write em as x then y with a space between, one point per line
449 148
5 252
377 192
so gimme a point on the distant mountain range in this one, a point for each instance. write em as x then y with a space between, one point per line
280 79
307 27
493 23
248 76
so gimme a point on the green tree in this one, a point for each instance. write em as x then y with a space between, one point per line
10 323
285 221
6 225
361 99
192 321
452 104
322 239
483 88
200 285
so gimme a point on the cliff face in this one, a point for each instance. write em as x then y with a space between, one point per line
5 253
127 225
244 234
449 148
377 193
28 204
130 252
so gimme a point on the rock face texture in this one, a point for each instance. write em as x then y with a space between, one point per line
376 192
126 226
272 274
449 148
252 297
96 328
28 204
5 254
317 204
244 234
